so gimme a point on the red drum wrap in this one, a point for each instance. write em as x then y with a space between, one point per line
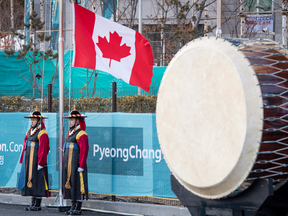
222 115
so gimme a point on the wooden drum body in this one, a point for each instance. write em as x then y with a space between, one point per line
222 115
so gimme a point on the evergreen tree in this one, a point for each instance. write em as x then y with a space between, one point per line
31 54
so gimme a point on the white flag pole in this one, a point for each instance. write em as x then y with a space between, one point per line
59 199
140 30
219 16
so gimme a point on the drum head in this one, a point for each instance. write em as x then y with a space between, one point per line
209 117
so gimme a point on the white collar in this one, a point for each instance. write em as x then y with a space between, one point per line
33 131
71 132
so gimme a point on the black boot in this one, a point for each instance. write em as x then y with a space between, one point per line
33 200
37 206
77 210
73 206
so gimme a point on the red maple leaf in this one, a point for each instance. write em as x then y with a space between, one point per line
112 49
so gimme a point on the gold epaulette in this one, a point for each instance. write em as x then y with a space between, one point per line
80 134
40 133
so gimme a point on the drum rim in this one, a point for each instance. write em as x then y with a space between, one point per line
159 133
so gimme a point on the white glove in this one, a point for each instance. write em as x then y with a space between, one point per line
80 169
39 167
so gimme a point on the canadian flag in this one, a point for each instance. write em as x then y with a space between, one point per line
108 46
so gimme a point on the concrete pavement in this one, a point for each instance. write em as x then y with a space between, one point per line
90 207
16 210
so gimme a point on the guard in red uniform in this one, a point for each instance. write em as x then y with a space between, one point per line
33 179
75 181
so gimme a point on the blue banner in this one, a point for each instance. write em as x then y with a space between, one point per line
109 8
84 4
54 12
54 23
27 20
13 128
124 154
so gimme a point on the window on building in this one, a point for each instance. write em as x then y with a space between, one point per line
251 5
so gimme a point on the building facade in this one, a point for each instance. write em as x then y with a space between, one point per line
249 19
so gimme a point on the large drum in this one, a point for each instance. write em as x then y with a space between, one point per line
222 114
